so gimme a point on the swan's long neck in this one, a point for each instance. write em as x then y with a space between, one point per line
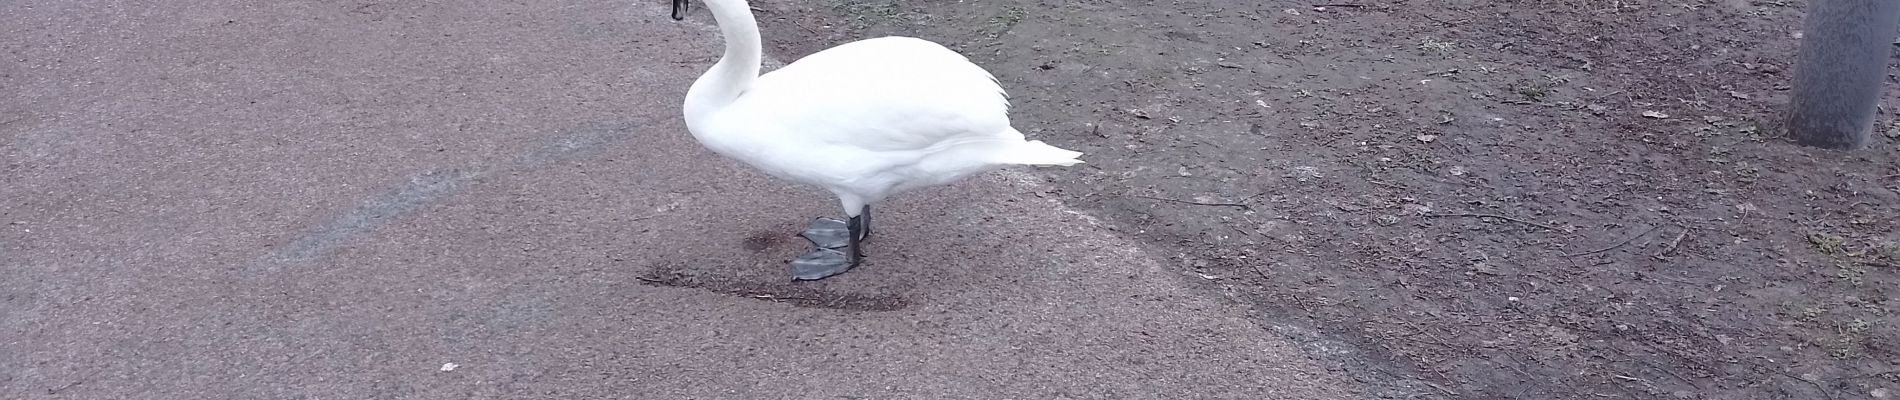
735 71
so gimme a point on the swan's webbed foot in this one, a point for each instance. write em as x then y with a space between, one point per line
820 264
838 245
827 233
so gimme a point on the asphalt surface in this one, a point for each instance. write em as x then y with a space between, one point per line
357 200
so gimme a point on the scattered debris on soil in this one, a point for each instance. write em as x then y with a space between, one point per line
1524 200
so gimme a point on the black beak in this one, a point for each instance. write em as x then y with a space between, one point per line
679 10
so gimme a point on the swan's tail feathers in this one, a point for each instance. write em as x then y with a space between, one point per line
1035 152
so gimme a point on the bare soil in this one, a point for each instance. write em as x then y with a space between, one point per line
1460 198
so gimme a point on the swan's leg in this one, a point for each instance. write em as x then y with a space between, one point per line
863 221
860 229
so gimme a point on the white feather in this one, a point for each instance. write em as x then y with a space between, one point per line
864 120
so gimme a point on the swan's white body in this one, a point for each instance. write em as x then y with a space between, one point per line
864 120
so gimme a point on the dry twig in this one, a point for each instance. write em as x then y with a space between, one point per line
1864 376
1256 270
1494 216
1618 244
776 298
1674 243
1388 184
1242 206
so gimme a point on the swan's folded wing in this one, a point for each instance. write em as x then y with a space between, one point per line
884 94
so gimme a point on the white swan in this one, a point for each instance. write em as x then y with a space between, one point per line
864 120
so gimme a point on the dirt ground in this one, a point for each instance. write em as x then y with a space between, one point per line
1463 199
